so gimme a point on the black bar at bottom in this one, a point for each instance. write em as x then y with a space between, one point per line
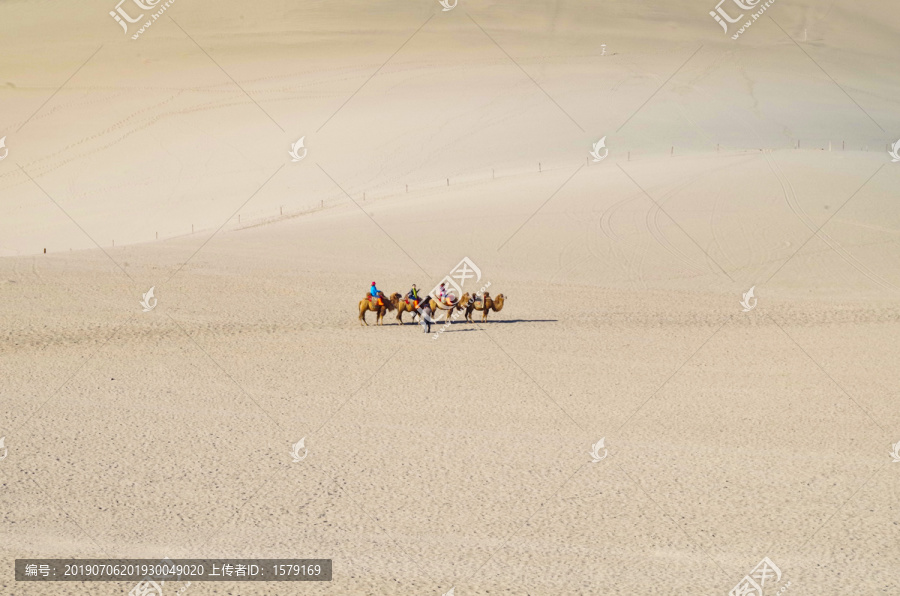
195 570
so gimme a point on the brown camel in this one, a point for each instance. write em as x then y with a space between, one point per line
403 306
486 305
458 305
366 305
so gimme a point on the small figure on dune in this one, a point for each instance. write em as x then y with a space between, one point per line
448 304
375 295
425 319
410 304
374 301
414 296
446 296
485 305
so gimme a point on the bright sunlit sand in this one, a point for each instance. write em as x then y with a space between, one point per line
634 420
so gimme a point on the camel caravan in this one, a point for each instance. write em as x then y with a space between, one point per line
425 307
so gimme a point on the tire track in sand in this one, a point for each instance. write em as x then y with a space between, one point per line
652 222
790 198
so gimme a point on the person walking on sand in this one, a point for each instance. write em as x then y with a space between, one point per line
425 319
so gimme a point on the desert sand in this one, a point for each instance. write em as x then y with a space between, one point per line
733 428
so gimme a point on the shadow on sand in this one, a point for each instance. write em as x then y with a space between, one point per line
454 327
505 321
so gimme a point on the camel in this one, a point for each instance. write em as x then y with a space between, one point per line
487 305
458 305
403 306
366 305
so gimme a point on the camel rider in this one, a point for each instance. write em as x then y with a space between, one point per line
375 294
443 293
414 296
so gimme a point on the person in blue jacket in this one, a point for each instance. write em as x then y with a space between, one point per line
375 294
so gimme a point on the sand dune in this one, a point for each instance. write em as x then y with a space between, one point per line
458 459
